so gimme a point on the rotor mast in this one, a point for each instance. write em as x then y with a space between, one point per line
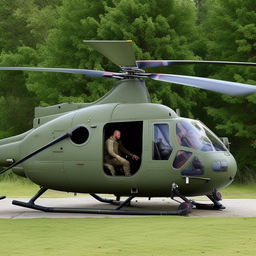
127 91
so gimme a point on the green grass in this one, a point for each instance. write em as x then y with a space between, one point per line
134 236
24 188
127 236
240 191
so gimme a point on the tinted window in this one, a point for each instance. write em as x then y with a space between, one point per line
216 142
161 145
192 135
181 158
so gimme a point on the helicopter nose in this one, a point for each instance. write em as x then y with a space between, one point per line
219 167
224 165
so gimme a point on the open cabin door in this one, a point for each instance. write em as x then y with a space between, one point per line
131 139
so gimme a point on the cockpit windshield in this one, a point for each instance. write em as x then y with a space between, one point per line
193 134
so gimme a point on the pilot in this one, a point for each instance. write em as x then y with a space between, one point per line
112 154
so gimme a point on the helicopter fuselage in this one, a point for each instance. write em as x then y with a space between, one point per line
174 157
151 130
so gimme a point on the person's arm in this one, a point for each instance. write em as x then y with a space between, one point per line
124 150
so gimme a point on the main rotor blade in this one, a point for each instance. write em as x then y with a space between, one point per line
225 87
119 52
160 63
87 72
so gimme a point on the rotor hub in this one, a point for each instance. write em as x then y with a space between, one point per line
132 72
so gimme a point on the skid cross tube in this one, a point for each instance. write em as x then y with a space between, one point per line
105 200
31 203
215 206
176 192
213 197
126 202
37 195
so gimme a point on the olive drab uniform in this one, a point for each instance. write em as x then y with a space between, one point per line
112 156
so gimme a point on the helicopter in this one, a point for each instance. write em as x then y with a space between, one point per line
178 157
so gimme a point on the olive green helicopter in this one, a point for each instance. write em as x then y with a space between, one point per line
178 157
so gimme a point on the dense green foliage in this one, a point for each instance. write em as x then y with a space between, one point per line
23 28
51 33
230 29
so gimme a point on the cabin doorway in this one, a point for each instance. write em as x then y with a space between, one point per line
131 139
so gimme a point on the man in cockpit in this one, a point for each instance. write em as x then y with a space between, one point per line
113 154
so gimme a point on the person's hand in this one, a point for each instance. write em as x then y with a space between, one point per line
135 157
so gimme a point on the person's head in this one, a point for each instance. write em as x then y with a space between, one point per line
117 134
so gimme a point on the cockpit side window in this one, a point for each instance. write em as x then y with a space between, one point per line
195 135
217 144
162 148
192 135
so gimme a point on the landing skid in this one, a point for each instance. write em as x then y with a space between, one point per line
2 197
183 209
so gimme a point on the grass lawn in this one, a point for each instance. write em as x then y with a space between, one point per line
27 189
239 191
158 236
129 236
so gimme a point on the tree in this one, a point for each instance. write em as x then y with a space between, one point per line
231 34
158 29
22 29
